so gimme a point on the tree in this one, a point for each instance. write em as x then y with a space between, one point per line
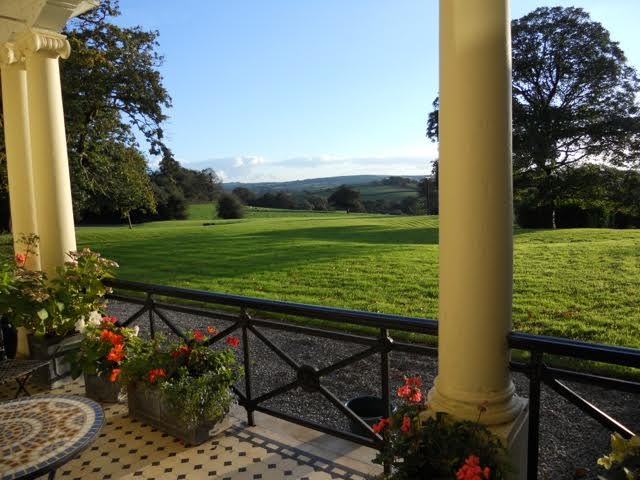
128 186
230 206
574 99
428 190
345 198
112 90
245 195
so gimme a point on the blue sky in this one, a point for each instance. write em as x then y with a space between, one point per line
268 90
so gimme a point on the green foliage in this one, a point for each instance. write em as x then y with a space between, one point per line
196 379
230 206
345 198
245 195
623 463
574 101
53 307
111 89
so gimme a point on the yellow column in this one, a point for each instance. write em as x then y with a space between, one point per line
54 211
475 212
18 148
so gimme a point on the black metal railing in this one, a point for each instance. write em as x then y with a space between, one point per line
542 351
308 378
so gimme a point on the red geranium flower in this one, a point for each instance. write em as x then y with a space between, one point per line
381 425
115 373
411 389
156 373
113 338
182 350
212 330
198 336
116 354
406 424
471 470
233 341
21 258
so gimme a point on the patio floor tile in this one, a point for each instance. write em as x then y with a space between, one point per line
273 450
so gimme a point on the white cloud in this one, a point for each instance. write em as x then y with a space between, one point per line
412 160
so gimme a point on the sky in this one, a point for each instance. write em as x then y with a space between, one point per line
276 90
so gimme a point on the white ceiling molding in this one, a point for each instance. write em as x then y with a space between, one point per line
20 15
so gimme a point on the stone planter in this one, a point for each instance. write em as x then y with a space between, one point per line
101 389
54 349
148 405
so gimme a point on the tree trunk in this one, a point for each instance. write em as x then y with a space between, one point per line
129 220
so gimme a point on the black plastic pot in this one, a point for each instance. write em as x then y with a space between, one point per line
9 337
368 408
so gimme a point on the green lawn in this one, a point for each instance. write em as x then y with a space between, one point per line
581 283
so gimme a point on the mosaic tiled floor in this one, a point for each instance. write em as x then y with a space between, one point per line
273 450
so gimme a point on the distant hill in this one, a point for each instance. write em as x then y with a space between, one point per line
313 184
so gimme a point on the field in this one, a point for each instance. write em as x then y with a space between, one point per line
581 283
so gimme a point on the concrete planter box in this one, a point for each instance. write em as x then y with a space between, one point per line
147 404
101 389
54 349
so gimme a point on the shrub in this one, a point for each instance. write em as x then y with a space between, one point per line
230 206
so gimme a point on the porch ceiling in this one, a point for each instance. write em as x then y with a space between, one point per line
20 15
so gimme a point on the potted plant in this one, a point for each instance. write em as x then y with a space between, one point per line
184 388
50 308
100 354
423 444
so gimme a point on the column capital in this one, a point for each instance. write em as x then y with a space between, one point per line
10 54
45 42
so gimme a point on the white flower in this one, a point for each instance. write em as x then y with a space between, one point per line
136 329
95 318
80 325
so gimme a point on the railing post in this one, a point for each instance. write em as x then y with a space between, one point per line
152 322
247 366
385 342
535 378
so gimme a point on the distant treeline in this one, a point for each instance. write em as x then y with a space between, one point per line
345 197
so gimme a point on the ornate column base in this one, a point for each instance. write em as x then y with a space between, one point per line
514 436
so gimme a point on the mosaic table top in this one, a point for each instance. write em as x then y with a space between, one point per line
40 433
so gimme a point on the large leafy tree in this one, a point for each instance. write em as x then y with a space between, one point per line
113 94
345 198
574 100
